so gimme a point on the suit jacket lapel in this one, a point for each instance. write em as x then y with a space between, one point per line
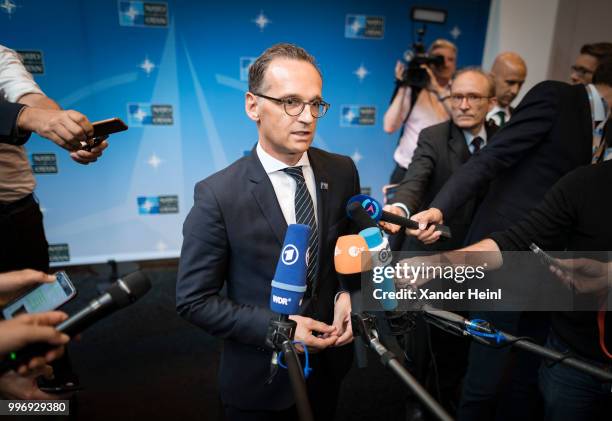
265 197
457 144
321 178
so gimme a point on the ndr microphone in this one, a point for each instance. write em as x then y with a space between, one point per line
289 283
374 210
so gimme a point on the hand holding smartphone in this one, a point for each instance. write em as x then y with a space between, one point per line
102 129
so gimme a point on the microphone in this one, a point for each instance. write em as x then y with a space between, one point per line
289 283
120 294
374 211
288 287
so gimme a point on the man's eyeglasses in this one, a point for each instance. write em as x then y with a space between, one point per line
471 99
295 106
581 71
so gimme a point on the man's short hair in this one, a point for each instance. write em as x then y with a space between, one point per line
442 43
478 70
599 50
603 73
258 69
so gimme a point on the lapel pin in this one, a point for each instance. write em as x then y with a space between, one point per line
323 185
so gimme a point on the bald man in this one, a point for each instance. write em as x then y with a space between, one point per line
509 72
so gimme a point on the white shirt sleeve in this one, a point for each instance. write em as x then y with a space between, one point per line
15 80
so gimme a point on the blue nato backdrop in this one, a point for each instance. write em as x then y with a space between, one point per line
176 73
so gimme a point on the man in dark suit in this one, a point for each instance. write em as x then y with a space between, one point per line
553 130
234 235
509 72
441 150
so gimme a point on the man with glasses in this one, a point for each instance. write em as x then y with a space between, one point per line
441 150
587 61
234 235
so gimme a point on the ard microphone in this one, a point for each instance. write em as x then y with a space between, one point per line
289 283
374 210
120 294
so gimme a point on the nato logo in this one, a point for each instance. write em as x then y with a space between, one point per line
44 163
139 13
145 114
362 26
245 65
59 253
154 205
357 115
290 254
33 61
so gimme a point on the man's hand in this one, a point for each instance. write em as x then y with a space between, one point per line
32 328
16 386
342 319
304 332
586 275
65 128
399 70
86 157
13 284
388 226
431 216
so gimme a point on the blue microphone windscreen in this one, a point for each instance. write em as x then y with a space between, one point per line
371 205
289 283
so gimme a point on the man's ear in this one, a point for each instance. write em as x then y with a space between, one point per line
492 103
251 106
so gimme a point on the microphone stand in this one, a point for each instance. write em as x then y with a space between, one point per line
486 334
281 332
364 325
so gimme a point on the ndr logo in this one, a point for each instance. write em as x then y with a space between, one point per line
281 300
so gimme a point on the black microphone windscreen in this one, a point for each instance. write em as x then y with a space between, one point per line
138 283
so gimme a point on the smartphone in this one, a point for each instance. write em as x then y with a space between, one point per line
45 297
102 129
545 258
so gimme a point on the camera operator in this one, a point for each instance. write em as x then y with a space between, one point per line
420 99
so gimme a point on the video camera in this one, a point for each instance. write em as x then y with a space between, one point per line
414 74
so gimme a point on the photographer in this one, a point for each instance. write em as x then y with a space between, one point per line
419 101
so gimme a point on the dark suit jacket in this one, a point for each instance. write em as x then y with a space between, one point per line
233 235
440 151
8 124
549 134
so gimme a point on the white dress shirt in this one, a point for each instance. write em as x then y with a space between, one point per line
284 185
493 114
469 137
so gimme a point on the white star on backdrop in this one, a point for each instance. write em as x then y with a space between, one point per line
161 246
356 26
147 65
356 157
361 72
262 21
147 205
139 115
349 116
455 32
8 6
154 161
131 13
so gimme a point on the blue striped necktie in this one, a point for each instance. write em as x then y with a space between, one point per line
305 214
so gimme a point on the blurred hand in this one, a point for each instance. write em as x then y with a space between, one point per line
433 82
342 319
431 216
25 387
586 275
387 226
65 128
32 328
85 157
399 70
304 332
13 284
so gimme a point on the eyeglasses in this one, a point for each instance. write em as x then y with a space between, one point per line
295 106
581 71
471 99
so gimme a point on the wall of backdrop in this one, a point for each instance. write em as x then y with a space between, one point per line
176 73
